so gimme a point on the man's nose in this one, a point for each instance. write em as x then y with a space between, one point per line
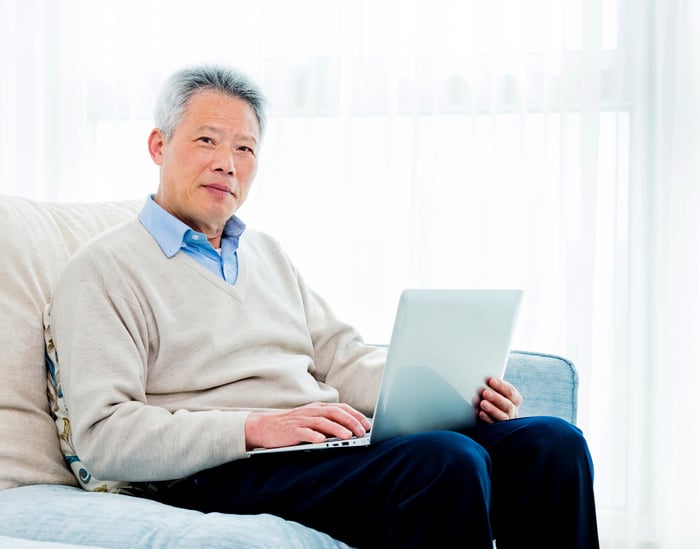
224 162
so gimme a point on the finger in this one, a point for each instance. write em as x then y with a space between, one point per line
346 416
506 389
362 418
498 401
308 435
328 427
485 417
493 412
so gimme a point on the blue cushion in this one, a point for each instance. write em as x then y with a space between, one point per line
548 384
69 515
7 542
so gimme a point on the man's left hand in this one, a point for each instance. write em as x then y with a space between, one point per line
499 401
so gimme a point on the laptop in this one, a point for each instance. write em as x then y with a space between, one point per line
444 344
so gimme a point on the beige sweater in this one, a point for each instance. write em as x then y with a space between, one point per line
161 361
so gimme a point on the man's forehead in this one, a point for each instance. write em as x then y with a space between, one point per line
215 111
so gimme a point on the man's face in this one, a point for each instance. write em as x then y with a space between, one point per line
208 165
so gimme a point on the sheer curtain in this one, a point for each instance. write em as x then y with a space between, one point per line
675 306
542 144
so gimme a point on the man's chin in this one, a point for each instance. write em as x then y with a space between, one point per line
221 211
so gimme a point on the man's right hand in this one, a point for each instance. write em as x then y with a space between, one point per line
310 423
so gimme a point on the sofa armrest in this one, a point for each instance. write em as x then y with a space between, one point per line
548 384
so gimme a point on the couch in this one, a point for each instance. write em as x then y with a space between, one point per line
40 503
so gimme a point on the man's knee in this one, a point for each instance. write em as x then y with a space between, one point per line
557 442
448 455
555 434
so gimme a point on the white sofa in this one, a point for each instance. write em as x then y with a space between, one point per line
40 504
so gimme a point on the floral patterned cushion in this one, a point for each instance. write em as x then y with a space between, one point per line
59 412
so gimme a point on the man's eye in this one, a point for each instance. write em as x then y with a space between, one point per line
207 140
246 149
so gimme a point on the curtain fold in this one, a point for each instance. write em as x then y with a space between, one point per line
544 144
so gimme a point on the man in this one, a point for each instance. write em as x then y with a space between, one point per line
186 339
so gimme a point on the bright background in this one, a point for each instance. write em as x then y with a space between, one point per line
550 145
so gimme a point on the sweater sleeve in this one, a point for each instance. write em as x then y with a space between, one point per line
341 358
102 341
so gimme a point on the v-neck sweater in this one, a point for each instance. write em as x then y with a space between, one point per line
161 361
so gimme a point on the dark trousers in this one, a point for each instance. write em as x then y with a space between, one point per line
526 482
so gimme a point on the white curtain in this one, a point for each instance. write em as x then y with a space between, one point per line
674 307
544 144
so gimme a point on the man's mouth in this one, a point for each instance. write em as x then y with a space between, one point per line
218 188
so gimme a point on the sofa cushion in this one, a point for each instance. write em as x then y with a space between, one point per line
7 542
115 520
37 240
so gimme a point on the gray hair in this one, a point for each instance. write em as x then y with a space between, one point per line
183 84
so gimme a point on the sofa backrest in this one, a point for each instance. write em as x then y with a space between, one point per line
37 238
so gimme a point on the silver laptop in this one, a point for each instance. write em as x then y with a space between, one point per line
444 345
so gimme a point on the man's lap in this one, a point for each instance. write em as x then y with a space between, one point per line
284 473
330 470
316 488
313 487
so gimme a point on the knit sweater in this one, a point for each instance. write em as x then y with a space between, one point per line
161 361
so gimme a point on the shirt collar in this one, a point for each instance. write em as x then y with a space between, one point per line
169 231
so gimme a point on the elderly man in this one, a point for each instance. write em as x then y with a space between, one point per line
186 339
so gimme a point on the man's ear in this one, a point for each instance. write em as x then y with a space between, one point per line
156 141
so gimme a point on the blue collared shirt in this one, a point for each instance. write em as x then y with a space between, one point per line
173 236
